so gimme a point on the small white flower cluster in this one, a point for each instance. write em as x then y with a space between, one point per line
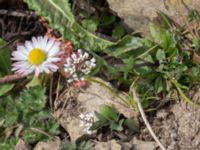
78 64
86 121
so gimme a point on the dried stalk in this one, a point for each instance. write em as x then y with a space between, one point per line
11 78
141 110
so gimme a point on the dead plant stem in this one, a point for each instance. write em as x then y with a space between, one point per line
141 110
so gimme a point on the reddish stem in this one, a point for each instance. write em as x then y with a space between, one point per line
10 78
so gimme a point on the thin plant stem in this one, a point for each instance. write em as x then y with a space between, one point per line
141 110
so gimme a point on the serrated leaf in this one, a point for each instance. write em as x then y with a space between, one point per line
60 17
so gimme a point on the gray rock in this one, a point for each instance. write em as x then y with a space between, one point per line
84 102
22 145
50 145
143 145
138 13
110 145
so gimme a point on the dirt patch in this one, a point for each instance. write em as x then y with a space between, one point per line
177 127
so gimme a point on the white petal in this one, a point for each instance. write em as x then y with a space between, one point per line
50 43
52 59
54 49
52 67
23 50
46 70
43 42
18 56
35 42
28 45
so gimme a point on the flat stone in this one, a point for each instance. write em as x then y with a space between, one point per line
22 145
138 13
110 145
50 145
87 101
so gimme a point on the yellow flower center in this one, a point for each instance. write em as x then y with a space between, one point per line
36 56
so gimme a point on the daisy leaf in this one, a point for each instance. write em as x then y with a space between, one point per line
61 18
5 61
5 67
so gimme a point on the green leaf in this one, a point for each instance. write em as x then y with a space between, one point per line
159 84
28 109
126 45
5 88
34 82
5 67
109 113
117 126
132 124
5 61
60 17
107 19
100 117
155 32
98 125
6 144
32 136
90 24
118 31
193 15
161 36
160 55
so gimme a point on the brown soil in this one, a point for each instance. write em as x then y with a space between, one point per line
177 127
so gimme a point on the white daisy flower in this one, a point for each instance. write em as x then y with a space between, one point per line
38 55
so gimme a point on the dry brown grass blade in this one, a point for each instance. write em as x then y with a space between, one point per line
141 110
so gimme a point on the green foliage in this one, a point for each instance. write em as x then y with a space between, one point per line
109 117
60 17
107 19
25 112
8 144
5 88
5 61
159 61
118 31
193 15
167 66
70 145
90 24
5 67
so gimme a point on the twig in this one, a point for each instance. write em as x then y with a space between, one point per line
146 121
58 88
146 52
10 78
16 13
40 131
50 92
